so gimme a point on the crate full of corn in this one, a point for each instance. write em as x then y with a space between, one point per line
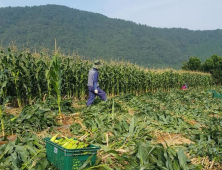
69 153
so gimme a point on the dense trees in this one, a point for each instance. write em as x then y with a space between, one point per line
193 64
96 36
212 65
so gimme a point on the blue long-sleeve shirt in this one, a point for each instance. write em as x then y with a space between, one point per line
93 78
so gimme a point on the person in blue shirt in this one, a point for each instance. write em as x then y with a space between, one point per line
93 84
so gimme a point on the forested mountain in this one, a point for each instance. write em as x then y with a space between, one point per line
97 36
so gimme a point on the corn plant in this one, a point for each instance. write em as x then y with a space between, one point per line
28 70
27 152
67 77
2 122
56 79
13 65
29 77
5 100
2 106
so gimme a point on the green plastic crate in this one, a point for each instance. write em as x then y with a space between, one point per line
69 159
215 94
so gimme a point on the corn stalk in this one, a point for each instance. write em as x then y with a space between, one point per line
3 85
56 79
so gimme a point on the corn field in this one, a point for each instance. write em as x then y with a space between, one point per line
135 129
26 76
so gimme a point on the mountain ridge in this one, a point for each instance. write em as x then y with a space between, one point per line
97 36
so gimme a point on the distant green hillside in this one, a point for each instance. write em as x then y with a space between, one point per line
97 36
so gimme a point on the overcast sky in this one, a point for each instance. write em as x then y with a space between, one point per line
190 14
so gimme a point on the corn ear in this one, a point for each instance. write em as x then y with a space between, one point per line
54 138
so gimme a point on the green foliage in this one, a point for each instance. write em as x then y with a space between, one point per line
208 142
32 118
125 128
212 65
66 76
147 156
96 36
194 64
56 79
26 152
133 135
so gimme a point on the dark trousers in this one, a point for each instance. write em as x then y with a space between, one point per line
92 95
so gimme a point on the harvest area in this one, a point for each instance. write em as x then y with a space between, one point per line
147 122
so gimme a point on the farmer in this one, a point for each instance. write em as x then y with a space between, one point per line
184 87
93 84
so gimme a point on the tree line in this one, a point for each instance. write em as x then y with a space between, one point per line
212 65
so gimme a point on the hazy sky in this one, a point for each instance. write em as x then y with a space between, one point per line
191 14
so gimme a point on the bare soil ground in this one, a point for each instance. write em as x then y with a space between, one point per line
171 139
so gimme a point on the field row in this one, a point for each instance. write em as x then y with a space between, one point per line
25 77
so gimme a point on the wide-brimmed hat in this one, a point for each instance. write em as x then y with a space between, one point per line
97 64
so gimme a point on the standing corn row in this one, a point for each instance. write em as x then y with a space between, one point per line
30 77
